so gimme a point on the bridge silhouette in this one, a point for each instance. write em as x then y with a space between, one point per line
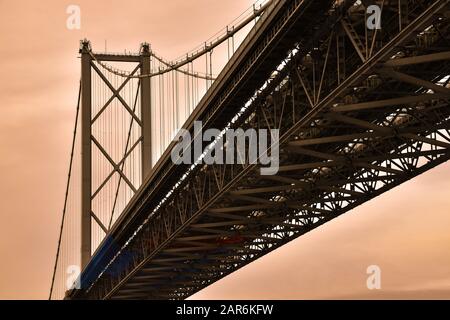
359 110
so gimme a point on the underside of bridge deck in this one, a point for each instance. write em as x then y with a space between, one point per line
359 112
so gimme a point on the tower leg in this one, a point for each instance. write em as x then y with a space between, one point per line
85 154
146 112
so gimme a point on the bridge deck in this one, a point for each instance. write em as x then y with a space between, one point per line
342 143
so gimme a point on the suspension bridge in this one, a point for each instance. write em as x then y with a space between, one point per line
359 110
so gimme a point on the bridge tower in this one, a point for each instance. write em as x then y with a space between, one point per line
93 64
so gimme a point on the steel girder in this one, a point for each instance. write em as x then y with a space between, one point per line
355 121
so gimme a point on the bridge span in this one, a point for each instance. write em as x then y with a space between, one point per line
359 111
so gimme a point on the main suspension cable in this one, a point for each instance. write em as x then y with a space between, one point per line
190 58
67 192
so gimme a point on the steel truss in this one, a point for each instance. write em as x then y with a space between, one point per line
359 113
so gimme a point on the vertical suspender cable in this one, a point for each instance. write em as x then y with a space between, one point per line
210 67
206 69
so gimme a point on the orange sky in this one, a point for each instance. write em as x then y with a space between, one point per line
405 232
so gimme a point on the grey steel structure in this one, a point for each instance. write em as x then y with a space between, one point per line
142 64
359 111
